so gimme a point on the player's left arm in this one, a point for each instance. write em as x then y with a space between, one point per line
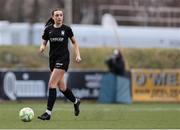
76 47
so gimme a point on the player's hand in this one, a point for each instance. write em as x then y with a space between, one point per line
78 59
41 49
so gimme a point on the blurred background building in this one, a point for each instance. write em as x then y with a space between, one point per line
136 23
126 12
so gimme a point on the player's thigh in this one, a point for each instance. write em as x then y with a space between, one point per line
55 77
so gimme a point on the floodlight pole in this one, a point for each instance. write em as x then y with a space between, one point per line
68 11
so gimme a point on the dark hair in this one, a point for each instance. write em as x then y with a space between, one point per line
50 21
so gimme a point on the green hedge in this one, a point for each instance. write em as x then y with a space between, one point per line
92 58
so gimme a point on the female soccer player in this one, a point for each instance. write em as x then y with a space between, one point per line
57 34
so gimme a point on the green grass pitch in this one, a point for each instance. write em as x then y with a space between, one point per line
93 116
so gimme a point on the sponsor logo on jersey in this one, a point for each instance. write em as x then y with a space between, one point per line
57 39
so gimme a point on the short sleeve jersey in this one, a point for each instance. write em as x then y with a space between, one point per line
58 39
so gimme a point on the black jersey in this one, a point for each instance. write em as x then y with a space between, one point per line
58 39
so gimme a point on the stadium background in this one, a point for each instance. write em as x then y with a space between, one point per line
147 33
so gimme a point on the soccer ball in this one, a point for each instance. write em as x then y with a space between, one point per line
26 114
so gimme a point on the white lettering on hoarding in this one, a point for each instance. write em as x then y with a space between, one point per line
23 88
93 80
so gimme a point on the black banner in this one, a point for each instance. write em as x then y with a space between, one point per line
16 84
85 84
2 95
24 84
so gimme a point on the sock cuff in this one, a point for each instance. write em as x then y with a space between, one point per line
66 91
48 112
75 101
52 88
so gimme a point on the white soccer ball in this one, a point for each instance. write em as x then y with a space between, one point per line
26 114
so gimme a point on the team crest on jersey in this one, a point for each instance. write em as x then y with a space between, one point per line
62 32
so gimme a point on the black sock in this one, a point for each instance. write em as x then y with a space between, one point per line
69 95
51 98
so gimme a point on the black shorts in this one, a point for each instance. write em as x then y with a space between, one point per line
58 64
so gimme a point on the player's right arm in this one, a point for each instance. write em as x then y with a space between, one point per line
43 46
45 38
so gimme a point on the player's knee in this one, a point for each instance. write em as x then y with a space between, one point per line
52 85
62 87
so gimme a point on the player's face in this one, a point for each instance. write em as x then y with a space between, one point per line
58 17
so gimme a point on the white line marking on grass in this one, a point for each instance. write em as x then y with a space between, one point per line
125 109
156 109
103 109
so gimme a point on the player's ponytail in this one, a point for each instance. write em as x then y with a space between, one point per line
49 22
